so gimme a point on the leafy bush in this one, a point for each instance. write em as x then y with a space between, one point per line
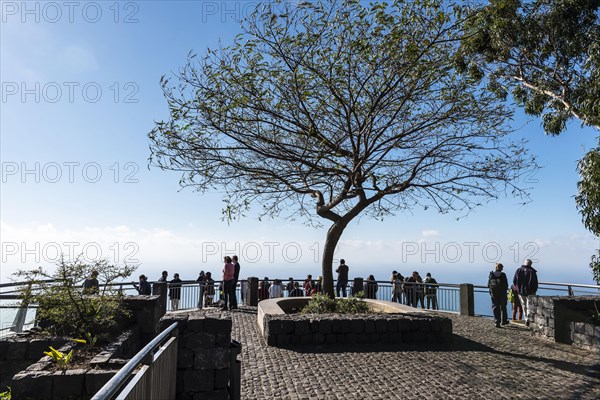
66 308
323 304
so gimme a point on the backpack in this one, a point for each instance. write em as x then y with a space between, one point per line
494 283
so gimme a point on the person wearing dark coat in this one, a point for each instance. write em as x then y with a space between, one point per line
175 292
498 286
526 283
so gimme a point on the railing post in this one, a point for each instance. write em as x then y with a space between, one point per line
358 286
160 289
253 291
467 299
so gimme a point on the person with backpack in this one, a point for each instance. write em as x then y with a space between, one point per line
498 285
526 283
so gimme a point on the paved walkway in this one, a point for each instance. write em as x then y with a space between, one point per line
482 362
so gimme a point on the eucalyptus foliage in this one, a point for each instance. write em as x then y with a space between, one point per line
327 111
588 200
546 52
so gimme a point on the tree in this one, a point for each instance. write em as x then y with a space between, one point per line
334 110
67 307
546 51
588 200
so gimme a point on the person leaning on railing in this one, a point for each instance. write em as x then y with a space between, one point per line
143 287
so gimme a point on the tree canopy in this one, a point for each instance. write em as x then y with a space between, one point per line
332 110
546 52
588 200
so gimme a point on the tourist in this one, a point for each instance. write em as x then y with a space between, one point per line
308 285
201 278
371 287
396 281
236 278
296 292
175 292
228 285
318 286
163 277
290 286
209 289
342 280
498 285
526 282
431 292
91 285
276 289
263 289
143 287
513 297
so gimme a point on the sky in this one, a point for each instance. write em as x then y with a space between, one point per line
80 92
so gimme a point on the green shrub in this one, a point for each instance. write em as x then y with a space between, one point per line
322 304
67 308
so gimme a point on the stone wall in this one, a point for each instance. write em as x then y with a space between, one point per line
283 330
567 320
205 356
39 381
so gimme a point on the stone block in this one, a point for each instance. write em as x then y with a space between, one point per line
198 380
217 325
352 338
185 358
330 338
217 358
314 325
195 322
198 340
223 339
3 349
288 326
581 339
70 385
169 319
369 326
96 378
274 327
325 326
404 325
306 339
597 332
283 339
318 338
344 326
302 328
381 326
357 326
32 385
17 350
221 378
392 325
220 394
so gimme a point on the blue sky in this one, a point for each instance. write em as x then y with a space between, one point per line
80 92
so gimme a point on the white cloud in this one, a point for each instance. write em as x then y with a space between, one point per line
430 233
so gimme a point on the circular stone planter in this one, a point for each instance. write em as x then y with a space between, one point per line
390 323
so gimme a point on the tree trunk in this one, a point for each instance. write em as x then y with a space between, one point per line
333 237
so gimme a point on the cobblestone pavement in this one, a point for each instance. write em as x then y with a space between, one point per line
481 362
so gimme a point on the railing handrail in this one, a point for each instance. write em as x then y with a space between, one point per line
120 379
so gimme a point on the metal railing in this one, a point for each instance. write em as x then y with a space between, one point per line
156 378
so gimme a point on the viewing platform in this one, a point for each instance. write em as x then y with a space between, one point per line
481 361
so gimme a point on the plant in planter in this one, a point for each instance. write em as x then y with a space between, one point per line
66 308
61 360
323 304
